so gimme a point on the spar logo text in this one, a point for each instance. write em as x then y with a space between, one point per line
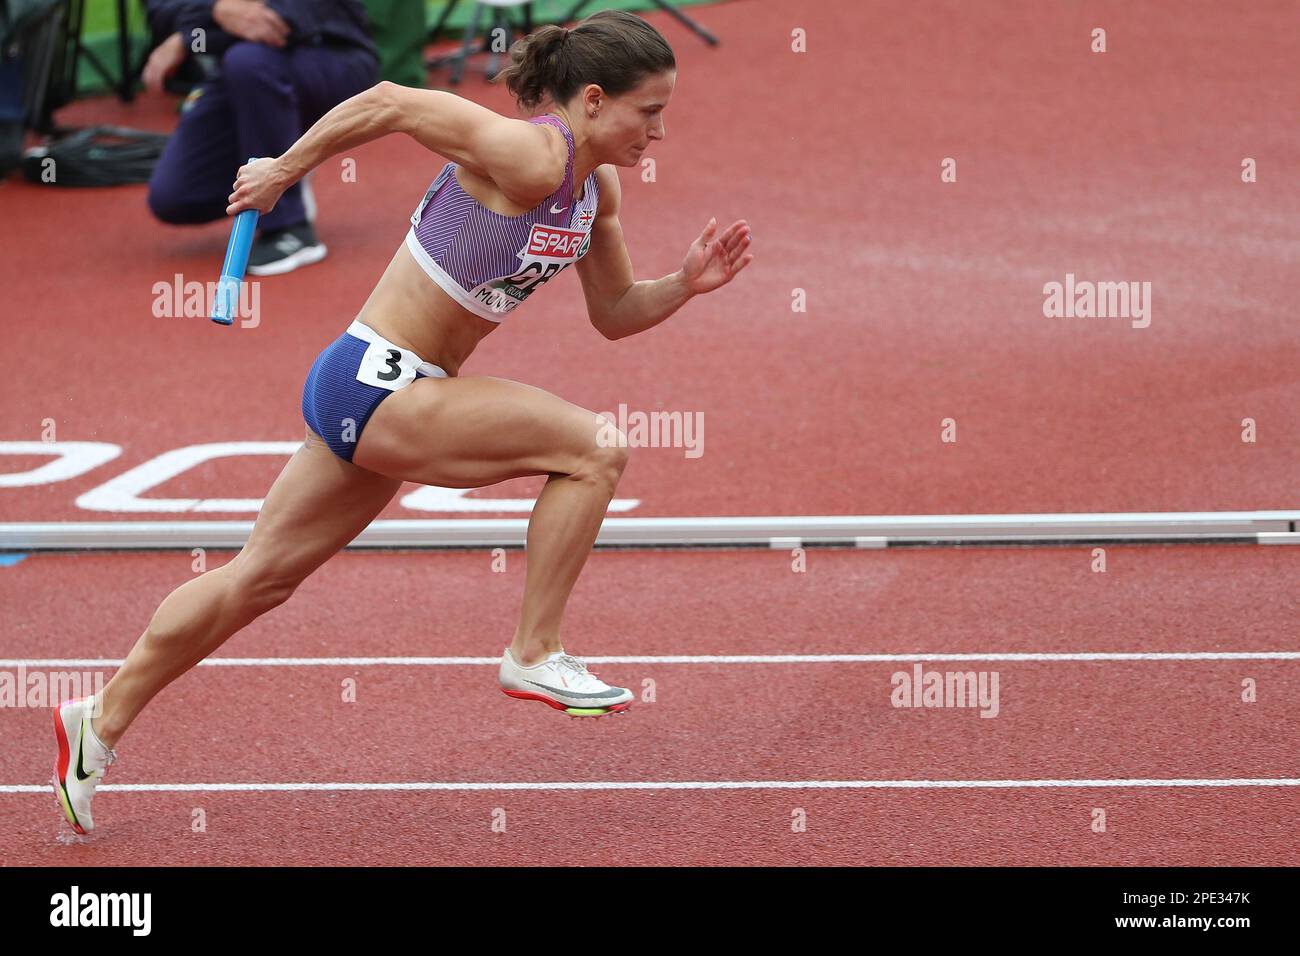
548 242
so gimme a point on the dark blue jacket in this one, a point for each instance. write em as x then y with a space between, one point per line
311 22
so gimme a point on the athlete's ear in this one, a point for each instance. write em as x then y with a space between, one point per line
593 99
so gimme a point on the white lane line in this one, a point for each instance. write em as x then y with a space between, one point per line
65 663
682 785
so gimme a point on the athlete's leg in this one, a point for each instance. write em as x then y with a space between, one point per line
317 505
470 432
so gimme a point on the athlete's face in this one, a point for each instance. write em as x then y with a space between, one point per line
629 123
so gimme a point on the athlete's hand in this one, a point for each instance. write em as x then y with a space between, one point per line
714 259
259 185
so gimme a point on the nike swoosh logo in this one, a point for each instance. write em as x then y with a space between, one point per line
561 209
81 750
612 692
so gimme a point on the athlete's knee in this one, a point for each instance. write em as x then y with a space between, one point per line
261 584
607 455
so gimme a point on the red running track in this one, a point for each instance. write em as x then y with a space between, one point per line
1056 720
924 298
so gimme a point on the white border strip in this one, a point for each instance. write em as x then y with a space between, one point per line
1278 537
71 663
766 531
675 785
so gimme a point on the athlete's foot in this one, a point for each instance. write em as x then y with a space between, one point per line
563 682
81 762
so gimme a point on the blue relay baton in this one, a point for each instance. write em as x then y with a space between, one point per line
226 304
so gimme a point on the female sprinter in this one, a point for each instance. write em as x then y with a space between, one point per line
520 200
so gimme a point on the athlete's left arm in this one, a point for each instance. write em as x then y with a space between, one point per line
617 304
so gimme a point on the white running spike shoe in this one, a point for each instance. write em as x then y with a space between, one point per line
563 682
82 761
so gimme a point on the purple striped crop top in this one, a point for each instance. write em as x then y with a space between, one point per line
488 262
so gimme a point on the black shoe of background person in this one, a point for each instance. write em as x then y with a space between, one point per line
11 145
284 250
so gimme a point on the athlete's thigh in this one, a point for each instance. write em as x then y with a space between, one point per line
316 506
469 432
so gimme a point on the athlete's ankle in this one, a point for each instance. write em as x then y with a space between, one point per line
534 650
106 736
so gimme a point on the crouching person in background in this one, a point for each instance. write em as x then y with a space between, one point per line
283 64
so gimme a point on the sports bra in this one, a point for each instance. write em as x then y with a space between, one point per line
488 262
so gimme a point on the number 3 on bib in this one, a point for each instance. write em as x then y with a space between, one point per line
386 367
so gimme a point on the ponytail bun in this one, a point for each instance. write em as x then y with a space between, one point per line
611 48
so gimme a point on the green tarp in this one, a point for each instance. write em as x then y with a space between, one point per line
400 29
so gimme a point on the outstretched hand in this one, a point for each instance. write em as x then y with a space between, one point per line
714 259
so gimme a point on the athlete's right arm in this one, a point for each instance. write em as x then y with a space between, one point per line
520 157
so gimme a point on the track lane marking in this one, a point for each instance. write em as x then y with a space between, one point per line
681 785
1028 657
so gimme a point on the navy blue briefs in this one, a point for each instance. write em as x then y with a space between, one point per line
349 379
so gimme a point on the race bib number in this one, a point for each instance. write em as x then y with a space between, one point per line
386 366
547 252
